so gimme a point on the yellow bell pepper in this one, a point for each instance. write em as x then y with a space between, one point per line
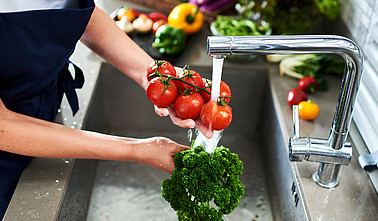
186 17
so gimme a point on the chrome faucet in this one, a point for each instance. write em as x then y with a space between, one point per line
335 151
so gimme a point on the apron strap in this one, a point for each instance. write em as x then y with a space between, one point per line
67 85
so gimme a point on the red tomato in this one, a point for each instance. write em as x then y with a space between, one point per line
308 84
216 117
156 94
225 91
195 79
295 96
165 68
156 25
155 16
189 106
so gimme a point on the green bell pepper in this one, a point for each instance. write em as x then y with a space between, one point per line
169 41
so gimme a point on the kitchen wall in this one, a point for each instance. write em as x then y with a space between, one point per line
361 18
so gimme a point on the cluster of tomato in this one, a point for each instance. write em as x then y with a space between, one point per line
307 109
189 94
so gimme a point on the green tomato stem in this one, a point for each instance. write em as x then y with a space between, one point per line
169 77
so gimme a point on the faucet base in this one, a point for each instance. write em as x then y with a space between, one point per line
330 185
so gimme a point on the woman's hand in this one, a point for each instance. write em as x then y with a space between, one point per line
158 152
185 123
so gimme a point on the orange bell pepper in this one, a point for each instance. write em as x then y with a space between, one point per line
186 17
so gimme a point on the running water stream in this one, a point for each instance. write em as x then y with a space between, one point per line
201 140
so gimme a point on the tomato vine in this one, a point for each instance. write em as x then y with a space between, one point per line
189 74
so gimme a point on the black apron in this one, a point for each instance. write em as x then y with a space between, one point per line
34 50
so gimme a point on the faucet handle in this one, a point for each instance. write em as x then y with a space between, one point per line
316 150
298 147
295 121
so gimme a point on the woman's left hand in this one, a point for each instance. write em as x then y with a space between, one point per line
185 123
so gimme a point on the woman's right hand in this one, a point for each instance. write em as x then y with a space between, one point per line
158 152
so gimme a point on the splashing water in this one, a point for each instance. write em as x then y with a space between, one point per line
209 144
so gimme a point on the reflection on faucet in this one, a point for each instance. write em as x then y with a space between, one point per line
334 151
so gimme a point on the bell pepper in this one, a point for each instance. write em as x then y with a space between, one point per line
126 11
308 110
169 41
186 17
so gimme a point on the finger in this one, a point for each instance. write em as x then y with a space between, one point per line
205 130
162 112
186 123
182 148
179 71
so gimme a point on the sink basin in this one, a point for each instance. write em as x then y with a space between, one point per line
112 190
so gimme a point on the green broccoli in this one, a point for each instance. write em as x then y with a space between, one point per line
201 180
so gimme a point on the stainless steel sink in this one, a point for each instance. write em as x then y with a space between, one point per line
109 190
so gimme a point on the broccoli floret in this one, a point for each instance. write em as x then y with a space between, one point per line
204 186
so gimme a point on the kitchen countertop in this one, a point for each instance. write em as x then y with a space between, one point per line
41 189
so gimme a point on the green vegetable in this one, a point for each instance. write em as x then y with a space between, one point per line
321 64
169 41
316 65
200 178
329 8
230 26
296 17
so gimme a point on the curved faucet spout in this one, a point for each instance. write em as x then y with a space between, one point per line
306 44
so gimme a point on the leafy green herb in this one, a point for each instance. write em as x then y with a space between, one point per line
296 16
319 65
200 178
230 26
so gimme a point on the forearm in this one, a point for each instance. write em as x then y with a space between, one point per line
104 37
29 136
